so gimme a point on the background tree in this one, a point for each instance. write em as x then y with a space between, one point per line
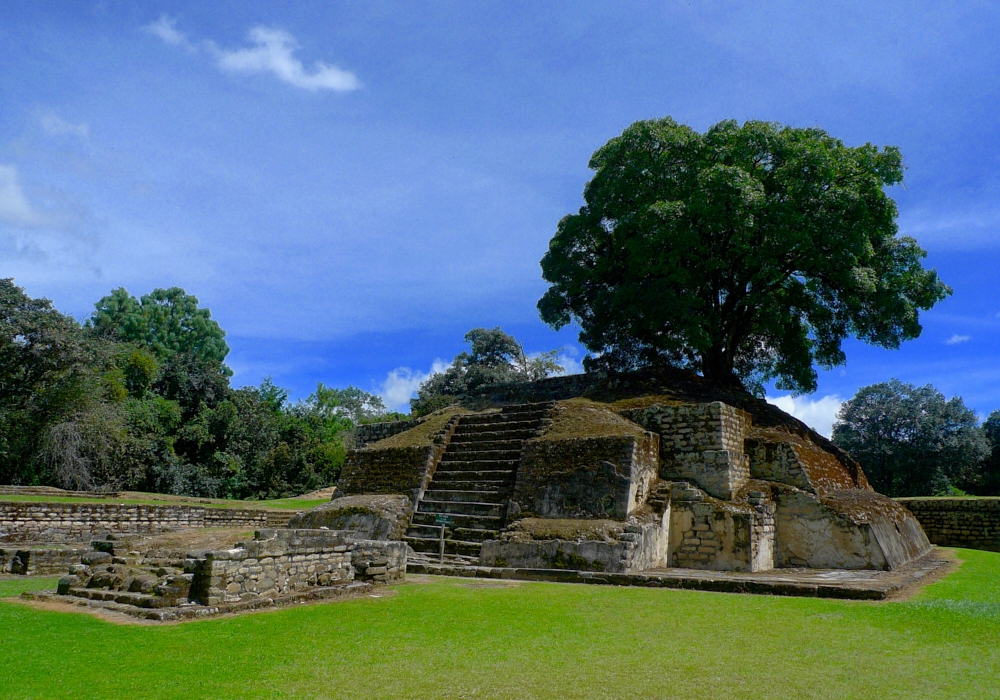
747 253
494 358
989 484
910 440
45 366
167 321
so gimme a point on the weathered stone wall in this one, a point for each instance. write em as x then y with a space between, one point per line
394 470
718 536
39 561
973 523
595 477
778 455
71 522
367 517
364 435
278 562
701 443
639 547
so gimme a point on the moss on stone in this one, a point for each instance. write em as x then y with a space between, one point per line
425 431
583 418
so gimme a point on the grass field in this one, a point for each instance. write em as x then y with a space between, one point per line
152 500
454 638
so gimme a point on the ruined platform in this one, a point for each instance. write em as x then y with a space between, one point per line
113 601
810 583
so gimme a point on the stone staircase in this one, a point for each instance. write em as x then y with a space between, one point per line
472 485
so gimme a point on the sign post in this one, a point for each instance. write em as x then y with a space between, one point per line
442 519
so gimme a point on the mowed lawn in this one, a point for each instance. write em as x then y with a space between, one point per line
454 638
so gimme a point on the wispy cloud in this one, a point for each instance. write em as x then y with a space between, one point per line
956 339
273 52
401 385
15 208
818 414
54 125
164 28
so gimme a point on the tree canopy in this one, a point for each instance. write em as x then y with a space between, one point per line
911 441
748 252
141 400
494 357
167 321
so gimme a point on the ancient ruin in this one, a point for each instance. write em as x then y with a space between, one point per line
627 474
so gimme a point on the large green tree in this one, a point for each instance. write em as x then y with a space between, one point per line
167 321
910 440
748 252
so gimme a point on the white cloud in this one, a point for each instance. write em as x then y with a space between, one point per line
164 29
401 385
56 126
272 53
818 414
15 209
956 339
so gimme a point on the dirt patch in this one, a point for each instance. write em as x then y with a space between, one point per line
191 540
952 564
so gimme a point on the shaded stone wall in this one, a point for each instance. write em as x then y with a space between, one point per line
39 561
68 522
364 435
700 442
973 523
639 547
394 470
278 562
594 477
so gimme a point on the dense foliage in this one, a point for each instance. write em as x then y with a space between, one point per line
139 398
911 441
748 252
494 357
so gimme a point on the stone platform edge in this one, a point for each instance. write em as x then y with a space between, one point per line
895 582
354 589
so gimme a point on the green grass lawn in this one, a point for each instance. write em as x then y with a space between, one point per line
453 638
282 503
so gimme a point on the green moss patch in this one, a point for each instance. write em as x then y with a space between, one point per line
583 418
423 434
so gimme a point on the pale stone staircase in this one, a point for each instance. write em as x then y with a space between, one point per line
473 483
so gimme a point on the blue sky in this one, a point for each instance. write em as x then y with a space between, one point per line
350 187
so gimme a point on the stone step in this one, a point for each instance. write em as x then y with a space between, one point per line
495 510
466 534
481 456
457 496
501 418
475 522
508 466
471 473
432 546
139 600
485 446
476 433
503 486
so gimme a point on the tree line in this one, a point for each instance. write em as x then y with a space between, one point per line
911 441
138 397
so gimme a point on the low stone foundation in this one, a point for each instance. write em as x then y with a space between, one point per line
277 562
79 522
973 523
276 567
